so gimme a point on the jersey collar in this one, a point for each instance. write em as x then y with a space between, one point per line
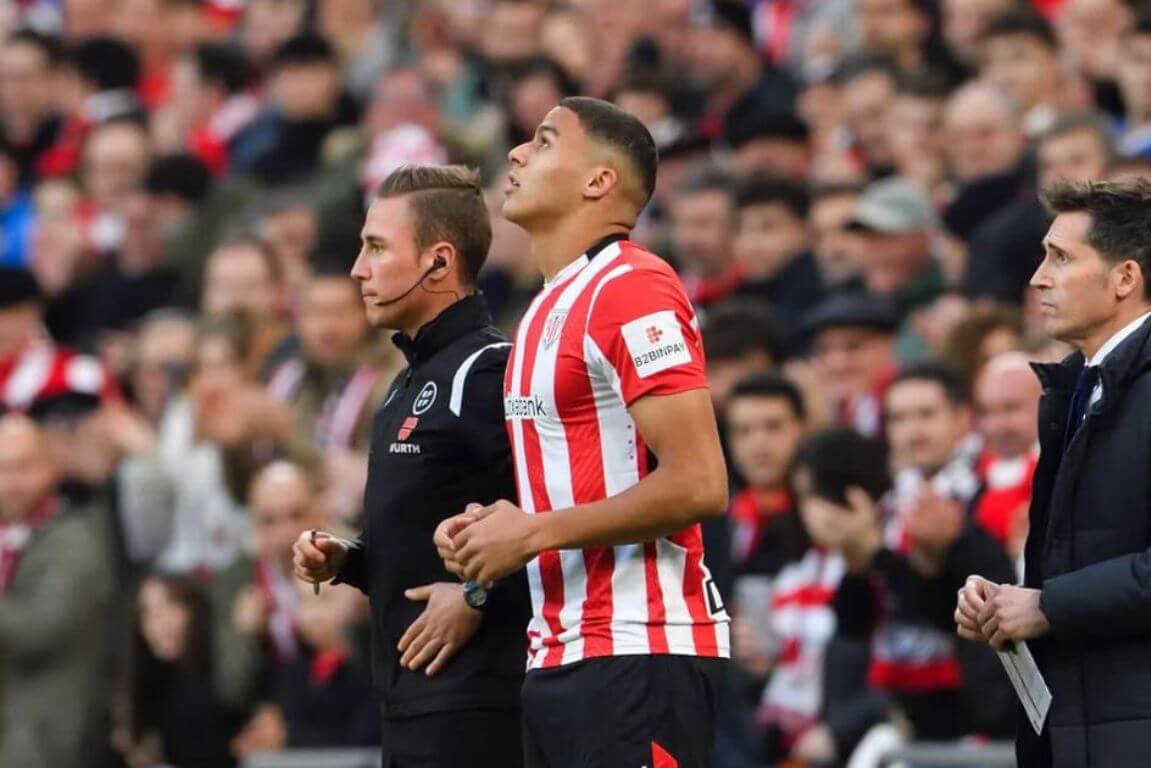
585 258
466 315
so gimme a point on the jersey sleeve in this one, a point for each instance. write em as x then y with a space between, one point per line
642 327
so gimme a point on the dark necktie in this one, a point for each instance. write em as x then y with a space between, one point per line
1088 378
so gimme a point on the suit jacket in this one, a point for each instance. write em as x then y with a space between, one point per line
1089 551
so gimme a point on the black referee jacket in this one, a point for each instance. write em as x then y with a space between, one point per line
439 442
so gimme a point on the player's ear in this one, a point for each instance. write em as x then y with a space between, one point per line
602 180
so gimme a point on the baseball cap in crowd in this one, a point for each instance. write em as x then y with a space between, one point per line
893 207
855 309
17 286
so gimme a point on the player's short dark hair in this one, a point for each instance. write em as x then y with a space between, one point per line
922 85
49 46
109 64
949 378
1017 23
447 204
735 328
771 385
838 459
765 189
179 175
303 50
605 122
1120 214
221 65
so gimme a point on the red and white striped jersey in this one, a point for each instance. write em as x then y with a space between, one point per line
612 327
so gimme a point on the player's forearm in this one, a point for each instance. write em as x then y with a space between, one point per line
663 503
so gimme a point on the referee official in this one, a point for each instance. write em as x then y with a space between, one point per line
448 668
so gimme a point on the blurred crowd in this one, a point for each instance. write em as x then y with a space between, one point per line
850 190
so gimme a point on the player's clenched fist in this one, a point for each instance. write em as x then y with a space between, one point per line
319 559
446 533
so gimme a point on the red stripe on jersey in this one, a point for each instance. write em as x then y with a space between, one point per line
656 615
702 628
551 568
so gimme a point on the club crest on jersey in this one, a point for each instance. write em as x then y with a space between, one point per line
424 399
655 343
553 327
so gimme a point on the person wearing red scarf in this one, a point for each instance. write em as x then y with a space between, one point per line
1007 397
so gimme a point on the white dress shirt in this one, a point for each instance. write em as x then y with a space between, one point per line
1109 347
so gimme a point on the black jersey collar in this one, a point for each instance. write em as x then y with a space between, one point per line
466 315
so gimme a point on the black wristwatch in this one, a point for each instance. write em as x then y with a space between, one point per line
475 595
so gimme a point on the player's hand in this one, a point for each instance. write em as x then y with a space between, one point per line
495 544
446 532
972 597
1012 613
445 626
320 560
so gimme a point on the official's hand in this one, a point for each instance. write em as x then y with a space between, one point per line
495 544
1012 613
445 626
972 597
320 560
444 537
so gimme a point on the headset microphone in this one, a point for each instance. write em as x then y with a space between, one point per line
439 263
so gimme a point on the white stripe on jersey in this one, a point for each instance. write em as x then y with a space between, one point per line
456 401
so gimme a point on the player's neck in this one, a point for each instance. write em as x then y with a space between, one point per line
563 243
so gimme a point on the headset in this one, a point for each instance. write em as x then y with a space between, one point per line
439 263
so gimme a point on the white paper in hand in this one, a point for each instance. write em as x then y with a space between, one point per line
1028 682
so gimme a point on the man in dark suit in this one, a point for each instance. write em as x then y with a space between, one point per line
1085 606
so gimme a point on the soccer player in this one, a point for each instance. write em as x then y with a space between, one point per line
617 461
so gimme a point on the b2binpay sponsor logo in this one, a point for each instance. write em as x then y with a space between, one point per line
655 343
524 407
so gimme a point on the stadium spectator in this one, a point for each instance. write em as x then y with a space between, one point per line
242 278
731 72
1006 397
836 250
851 342
29 118
1021 56
703 223
1133 73
741 339
773 248
56 594
173 715
897 225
